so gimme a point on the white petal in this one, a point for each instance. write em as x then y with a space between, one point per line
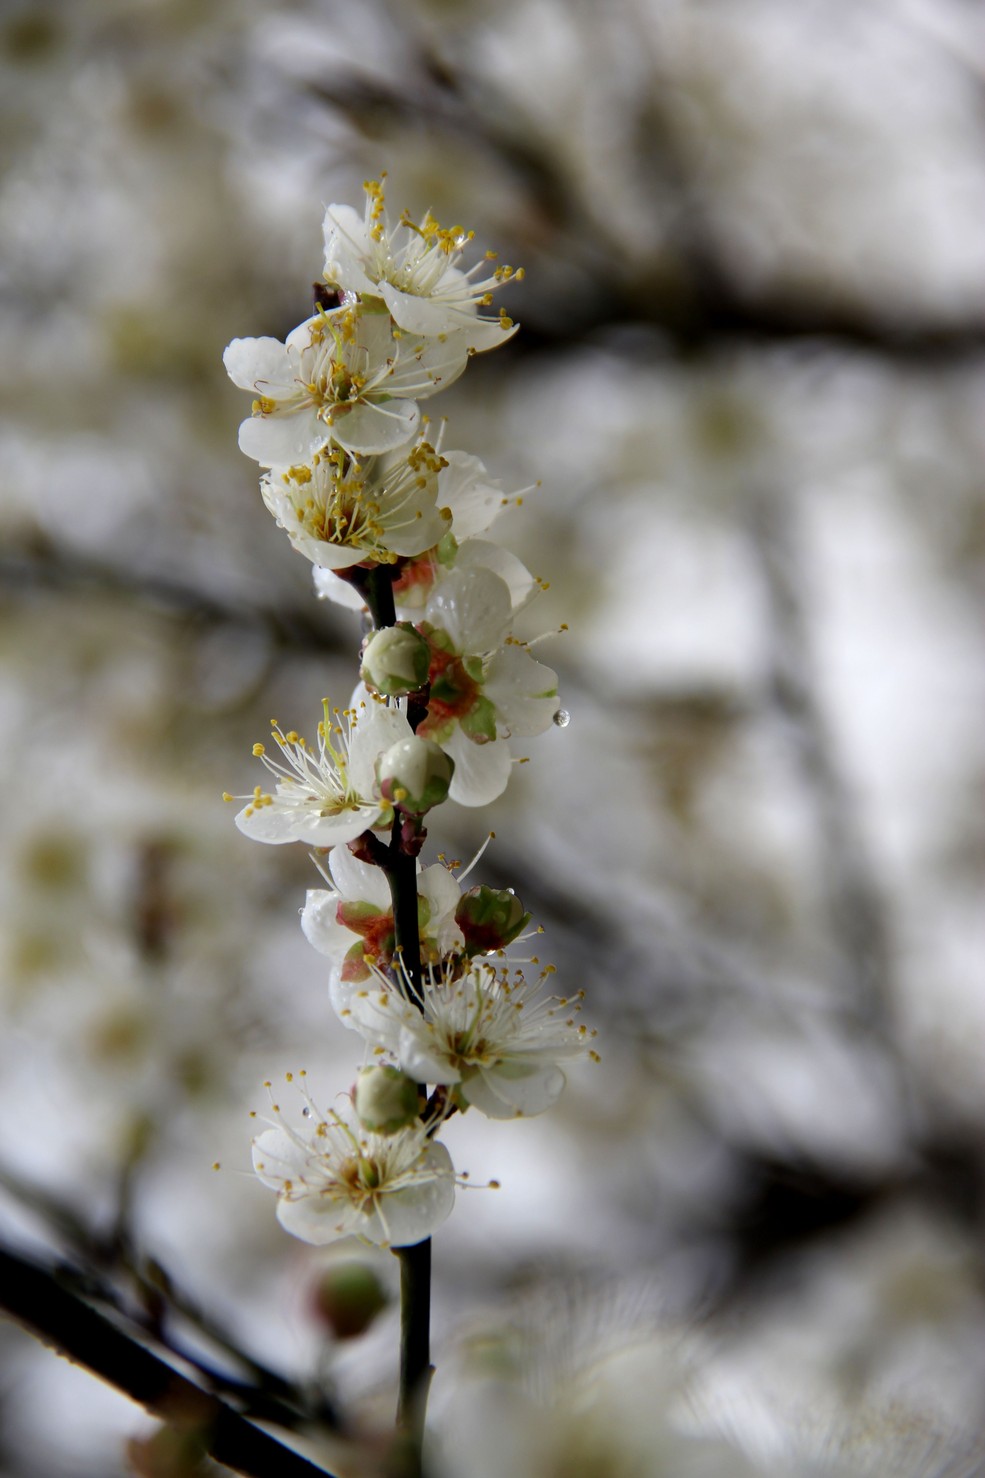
417 1055
494 557
482 771
340 592
320 1219
431 316
258 364
378 1015
279 824
425 316
425 366
299 340
276 1157
375 729
500 1096
283 439
523 691
439 887
348 246
359 880
370 427
410 1215
340 994
473 607
320 926
425 525
464 487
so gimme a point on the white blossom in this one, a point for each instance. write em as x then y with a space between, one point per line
330 794
414 269
339 510
335 1179
486 1032
352 923
484 685
474 501
344 375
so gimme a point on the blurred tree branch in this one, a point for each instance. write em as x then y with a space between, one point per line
100 1266
853 902
35 1296
40 566
694 303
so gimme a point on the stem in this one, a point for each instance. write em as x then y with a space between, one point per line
415 1358
34 1297
375 585
400 866
401 874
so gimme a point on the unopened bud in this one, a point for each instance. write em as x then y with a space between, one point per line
386 1099
490 919
348 1297
415 774
396 660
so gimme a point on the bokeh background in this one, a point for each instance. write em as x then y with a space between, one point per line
750 384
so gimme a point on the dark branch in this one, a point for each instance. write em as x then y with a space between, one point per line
35 1298
59 572
693 303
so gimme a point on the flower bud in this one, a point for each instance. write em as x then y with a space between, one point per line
386 1099
490 919
415 774
396 660
348 1297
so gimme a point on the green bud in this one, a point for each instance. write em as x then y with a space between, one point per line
386 1099
396 660
415 774
349 1296
490 918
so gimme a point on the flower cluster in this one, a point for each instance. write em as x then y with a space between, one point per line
393 520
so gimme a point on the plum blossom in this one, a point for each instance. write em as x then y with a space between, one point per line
352 923
344 375
336 1179
339 510
485 1032
474 500
484 685
414 269
330 794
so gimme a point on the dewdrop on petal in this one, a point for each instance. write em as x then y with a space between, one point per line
386 1099
415 774
396 660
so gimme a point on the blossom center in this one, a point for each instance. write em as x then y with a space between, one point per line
454 693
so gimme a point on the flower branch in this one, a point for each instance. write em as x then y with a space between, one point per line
394 524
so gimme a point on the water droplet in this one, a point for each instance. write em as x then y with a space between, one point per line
306 1112
562 718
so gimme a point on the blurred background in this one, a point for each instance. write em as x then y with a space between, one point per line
749 381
